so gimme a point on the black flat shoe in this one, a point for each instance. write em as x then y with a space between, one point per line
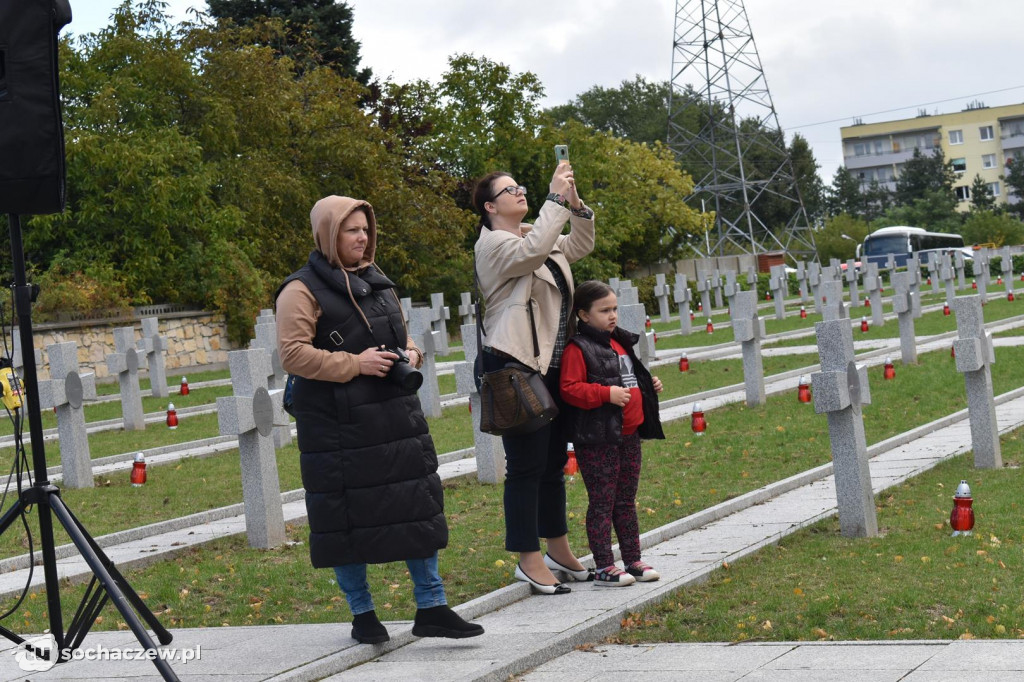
557 588
366 629
441 621
584 576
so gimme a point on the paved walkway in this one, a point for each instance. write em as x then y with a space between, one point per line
527 632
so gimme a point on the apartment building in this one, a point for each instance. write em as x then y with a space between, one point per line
978 141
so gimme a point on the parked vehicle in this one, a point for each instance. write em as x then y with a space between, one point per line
901 241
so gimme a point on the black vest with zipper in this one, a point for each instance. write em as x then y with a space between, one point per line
603 425
368 462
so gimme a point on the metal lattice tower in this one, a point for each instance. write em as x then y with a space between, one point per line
725 132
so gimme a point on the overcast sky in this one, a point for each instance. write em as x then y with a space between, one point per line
825 62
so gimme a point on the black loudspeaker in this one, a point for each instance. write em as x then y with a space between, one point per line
32 172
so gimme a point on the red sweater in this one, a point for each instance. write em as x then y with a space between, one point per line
579 393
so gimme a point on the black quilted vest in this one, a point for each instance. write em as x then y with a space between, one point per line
603 425
368 463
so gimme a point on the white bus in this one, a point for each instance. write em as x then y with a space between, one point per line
901 241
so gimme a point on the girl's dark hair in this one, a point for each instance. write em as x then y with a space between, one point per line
584 297
482 194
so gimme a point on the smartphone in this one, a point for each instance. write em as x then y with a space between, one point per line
561 153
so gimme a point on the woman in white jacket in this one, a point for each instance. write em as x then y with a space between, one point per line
527 286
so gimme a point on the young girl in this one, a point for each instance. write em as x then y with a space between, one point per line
617 405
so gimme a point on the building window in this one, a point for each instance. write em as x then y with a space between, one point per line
985 132
993 187
959 165
963 193
956 137
988 160
861 149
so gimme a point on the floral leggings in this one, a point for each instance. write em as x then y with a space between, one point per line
612 474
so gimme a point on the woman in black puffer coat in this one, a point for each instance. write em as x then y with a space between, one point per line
368 463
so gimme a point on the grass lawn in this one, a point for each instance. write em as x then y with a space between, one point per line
226 582
913 581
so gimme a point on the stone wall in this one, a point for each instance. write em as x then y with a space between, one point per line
194 340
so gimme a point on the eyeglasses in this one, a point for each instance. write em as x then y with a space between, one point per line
514 190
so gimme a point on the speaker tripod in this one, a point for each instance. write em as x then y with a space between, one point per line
107 582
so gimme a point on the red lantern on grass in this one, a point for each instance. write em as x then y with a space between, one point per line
684 363
571 465
803 313
803 392
138 476
863 324
172 417
890 371
184 386
962 517
697 421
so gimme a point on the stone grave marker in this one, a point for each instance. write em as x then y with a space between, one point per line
425 338
406 304
906 306
17 360
716 284
748 330
439 323
873 291
65 390
266 339
1006 266
814 280
934 260
661 292
801 280
840 388
958 264
154 347
752 278
704 290
851 276
974 358
632 317
125 364
731 287
779 283
251 414
833 307
466 307
488 449
947 274
682 296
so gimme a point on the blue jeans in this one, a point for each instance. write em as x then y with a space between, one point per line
427 587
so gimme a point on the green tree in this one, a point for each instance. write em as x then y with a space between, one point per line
636 110
844 194
317 32
981 196
839 237
983 227
924 174
805 171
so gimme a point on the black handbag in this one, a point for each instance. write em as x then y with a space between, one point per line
513 400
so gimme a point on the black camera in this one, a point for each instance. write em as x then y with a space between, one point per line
402 373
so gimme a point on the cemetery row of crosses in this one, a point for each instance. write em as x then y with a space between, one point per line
253 416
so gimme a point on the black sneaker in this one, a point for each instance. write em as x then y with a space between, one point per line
441 621
643 573
613 576
366 629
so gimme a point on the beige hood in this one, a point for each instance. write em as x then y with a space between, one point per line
326 218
